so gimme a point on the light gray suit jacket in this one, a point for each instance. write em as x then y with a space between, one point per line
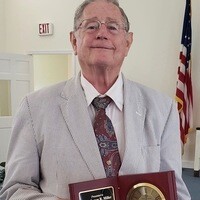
53 143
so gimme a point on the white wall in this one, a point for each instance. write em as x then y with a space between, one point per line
23 17
153 59
195 74
2 26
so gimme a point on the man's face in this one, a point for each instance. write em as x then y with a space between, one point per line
106 45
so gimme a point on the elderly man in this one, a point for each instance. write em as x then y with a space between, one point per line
57 137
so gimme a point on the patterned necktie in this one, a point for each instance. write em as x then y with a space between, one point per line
106 138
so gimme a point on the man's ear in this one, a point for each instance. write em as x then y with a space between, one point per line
73 42
129 41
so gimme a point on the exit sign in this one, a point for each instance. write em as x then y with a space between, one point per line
46 29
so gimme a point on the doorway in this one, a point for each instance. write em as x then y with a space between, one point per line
52 67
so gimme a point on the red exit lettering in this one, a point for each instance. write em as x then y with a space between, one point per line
44 29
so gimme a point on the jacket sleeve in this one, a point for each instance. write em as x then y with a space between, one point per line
22 166
171 151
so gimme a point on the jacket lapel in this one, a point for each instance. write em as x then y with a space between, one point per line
75 112
134 115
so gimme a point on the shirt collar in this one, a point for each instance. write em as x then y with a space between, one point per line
115 92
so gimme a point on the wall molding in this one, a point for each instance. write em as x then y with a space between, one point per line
188 164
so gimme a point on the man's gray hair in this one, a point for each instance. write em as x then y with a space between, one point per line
80 9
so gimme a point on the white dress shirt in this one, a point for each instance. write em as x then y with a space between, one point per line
114 110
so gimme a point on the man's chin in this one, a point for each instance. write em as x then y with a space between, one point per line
103 58
101 63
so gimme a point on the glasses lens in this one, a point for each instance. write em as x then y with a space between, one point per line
90 25
113 27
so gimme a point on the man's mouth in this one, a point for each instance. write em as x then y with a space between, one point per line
103 47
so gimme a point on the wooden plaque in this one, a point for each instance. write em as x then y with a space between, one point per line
158 186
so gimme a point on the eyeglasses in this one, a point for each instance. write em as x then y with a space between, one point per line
91 26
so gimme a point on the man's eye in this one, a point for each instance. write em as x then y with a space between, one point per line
113 27
92 26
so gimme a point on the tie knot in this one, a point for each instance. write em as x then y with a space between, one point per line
101 102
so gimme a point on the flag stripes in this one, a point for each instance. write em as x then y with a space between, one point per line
184 94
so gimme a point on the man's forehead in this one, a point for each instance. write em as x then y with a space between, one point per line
102 10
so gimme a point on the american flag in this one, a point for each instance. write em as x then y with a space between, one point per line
184 94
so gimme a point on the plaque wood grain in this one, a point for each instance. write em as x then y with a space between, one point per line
164 181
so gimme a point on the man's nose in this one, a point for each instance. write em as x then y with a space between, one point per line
102 32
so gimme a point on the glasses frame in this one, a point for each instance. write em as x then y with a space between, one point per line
106 23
